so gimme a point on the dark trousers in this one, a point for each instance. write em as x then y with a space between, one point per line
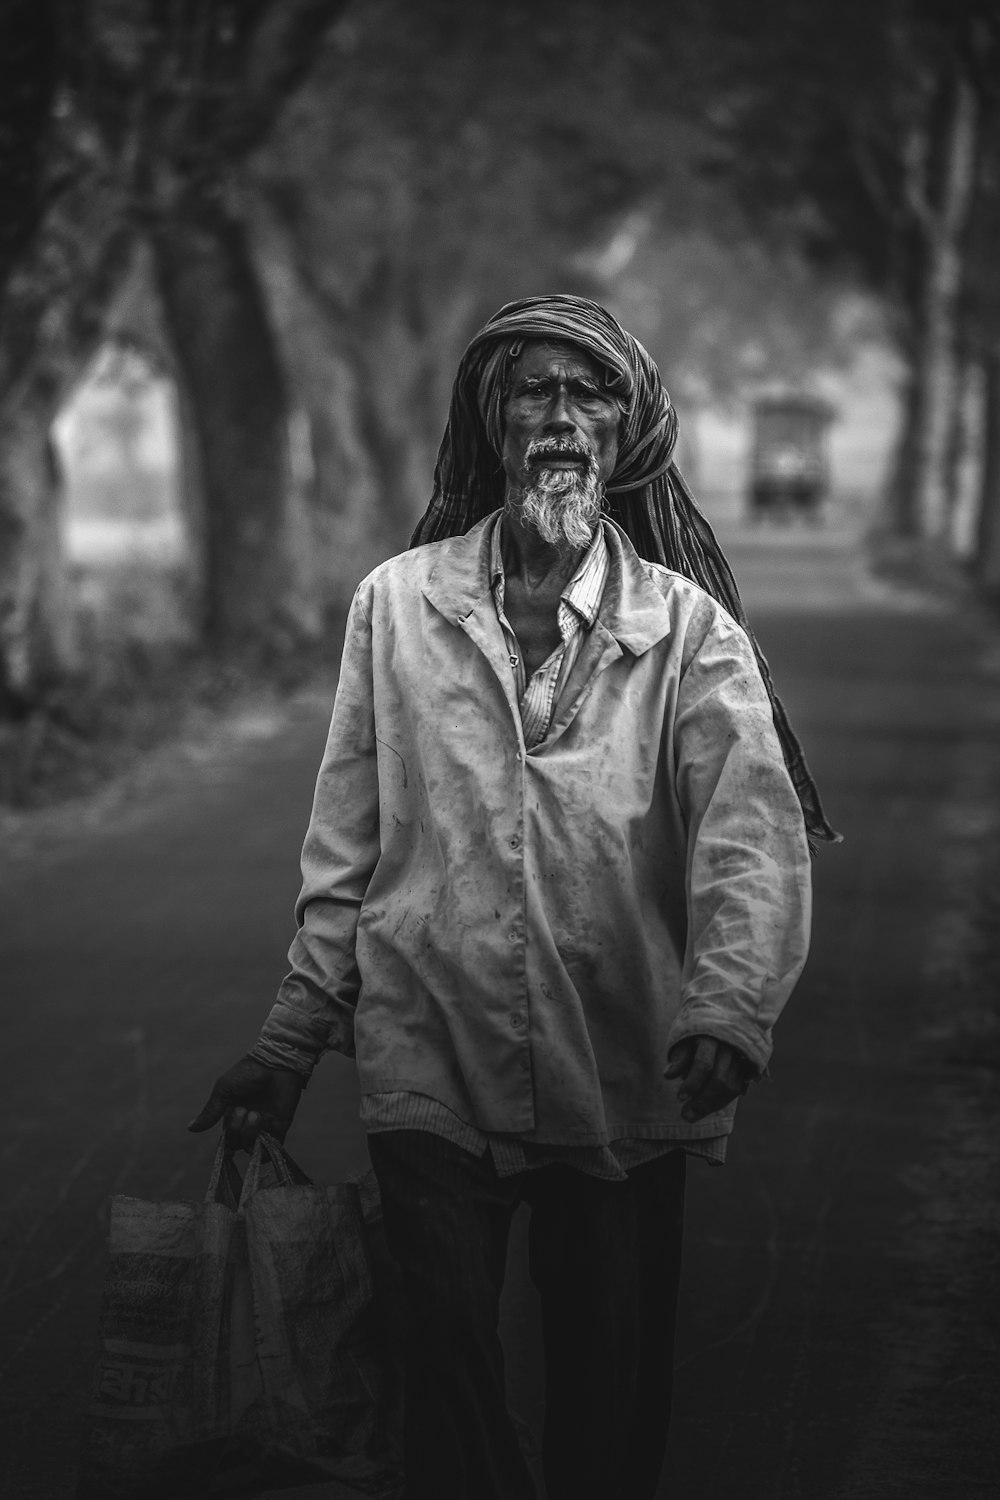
605 1257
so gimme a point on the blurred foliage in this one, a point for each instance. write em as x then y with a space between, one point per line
443 158
723 317
830 125
28 48
149 110
868 134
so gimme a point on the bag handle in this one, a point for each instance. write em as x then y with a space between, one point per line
287 1171
225 1185
233 1191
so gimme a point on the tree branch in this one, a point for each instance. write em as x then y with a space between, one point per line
281 55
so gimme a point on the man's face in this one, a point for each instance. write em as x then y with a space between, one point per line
557 400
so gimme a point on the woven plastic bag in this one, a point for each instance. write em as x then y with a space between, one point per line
242 1348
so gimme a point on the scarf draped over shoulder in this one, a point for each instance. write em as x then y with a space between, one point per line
646 495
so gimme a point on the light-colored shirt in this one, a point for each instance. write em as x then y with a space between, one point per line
521 934
537 699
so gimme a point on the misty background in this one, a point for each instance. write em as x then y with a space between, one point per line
243 246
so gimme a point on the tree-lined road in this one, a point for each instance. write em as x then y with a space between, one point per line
840 1309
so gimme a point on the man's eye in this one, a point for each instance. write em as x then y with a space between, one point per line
585 396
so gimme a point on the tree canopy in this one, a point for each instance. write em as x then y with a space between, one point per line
314 203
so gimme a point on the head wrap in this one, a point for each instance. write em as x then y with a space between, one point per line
646 495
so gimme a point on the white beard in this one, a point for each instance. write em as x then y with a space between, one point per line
562 505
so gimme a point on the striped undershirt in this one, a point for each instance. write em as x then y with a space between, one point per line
578 606
511 1153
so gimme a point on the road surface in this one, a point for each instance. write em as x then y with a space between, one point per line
840 1305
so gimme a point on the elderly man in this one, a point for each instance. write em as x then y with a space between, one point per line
555 894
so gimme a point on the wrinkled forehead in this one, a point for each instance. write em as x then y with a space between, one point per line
546 356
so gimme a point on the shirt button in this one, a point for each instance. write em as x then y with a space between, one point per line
512 937
525 1064
518 756
517 1018
515 842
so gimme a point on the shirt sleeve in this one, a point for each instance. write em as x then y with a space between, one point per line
314 1009
748 863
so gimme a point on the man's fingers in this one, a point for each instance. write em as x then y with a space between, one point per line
713 1074
733 1070
277 1128
243 1126
701 1067
726 1080
712 1097
680 1058
210 1115
251 1098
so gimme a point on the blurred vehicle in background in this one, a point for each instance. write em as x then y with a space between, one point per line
789 465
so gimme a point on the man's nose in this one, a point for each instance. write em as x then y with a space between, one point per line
559 417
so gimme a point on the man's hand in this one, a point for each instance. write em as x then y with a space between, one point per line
713 1072
251 1098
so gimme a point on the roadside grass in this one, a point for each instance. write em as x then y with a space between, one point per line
142 681
930 568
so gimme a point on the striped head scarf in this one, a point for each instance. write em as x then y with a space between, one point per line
646 495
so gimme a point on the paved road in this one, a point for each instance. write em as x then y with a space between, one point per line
840 1312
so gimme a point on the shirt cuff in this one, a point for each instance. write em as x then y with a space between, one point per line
280 1055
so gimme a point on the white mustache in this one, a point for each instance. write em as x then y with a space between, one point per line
542 448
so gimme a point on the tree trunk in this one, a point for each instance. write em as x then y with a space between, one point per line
257 590
957 447
987 557
37 643
396 449
923 507
902 485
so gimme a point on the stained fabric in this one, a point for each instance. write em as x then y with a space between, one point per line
646 495
525 935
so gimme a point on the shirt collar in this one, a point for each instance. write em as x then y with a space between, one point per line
584 590
455 579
